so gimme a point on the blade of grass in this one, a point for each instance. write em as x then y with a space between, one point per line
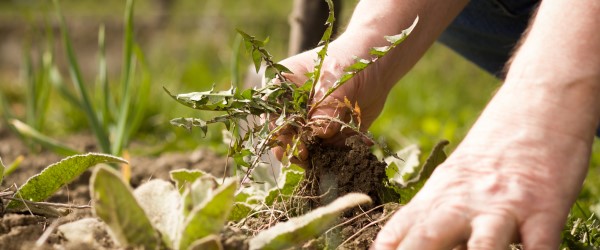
29 132
42 97
43 91
99 132
103 77
30 91
57 81
14 165
127 79
143 92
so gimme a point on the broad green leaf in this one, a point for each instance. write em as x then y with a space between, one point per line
211 242
43 185
413 185
208 218
240 211
437 157
183 176
162 204
288 182
297 231
197 192
115 204
400 171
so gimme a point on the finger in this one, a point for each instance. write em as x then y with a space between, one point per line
285 140
323 123
391 234
443 229
492 231
542 231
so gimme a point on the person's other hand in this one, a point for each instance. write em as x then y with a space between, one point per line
509 181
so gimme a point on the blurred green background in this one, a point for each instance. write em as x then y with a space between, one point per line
191 45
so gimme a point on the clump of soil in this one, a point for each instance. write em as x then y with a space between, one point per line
336 171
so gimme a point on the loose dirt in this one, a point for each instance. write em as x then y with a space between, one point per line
335 172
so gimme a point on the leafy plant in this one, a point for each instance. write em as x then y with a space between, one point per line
156 214
41 186
111 124
192 213
284 103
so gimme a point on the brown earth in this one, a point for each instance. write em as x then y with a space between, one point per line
348 169
21 231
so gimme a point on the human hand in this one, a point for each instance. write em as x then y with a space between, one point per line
367 90
513 179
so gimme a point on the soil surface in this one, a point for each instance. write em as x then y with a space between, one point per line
339 170
21 231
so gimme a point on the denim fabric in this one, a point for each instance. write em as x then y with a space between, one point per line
486 31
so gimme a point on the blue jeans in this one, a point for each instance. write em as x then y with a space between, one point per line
487 31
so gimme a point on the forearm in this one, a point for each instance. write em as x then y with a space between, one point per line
550 102
560 62
374 19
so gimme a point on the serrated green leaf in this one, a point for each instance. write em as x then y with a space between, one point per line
297 231
189 123
208 218
43 185
183 176
115 204
397 39
359 64
162 204
378 52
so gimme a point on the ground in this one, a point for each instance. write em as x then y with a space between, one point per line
357 229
